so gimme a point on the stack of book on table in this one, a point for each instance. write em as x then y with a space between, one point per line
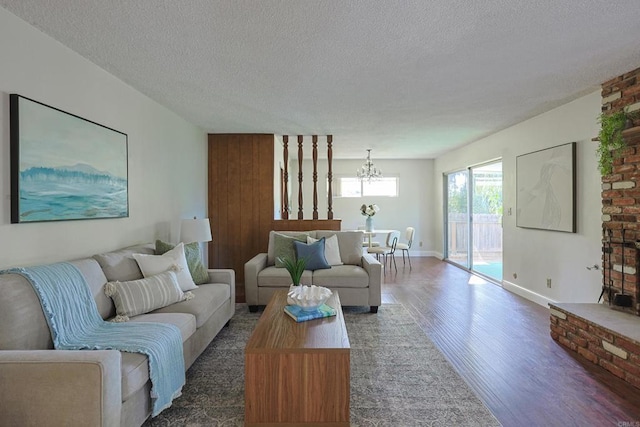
299 315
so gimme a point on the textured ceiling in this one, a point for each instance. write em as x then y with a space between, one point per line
408 78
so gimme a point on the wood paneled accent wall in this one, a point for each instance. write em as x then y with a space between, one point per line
241 176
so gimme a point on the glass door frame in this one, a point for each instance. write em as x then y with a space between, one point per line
446 217
470 192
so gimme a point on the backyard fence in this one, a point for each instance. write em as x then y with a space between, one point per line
487 232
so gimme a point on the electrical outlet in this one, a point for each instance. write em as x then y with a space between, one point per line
548 283
420 244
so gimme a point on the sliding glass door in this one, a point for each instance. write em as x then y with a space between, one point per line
487 220
457 217
474 219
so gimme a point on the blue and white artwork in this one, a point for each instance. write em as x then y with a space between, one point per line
65 167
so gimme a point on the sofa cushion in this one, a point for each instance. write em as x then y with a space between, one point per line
135 366
207 298
144 295
284 248
331 249
313 254
342 276
134 369
350 243
272 276
194 259
299 235
120 265
96 280
155 264
24 324
184 321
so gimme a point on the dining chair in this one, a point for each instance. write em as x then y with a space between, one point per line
408 235
387 251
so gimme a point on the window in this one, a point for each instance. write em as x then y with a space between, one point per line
349 186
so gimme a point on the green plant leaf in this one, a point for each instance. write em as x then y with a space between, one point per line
295 268
611 142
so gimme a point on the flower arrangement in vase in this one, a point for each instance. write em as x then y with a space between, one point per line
369 211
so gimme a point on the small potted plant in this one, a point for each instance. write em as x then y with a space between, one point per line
295 267
610 137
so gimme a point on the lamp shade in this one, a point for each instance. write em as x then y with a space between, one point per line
195 230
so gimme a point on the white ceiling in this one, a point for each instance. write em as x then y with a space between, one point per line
408 78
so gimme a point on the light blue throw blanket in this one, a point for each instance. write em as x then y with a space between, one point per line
75 324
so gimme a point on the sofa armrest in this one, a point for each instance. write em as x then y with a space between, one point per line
224 275
251 269
60 387
374 270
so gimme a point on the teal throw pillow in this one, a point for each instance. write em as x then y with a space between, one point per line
283 247
198 271
313 254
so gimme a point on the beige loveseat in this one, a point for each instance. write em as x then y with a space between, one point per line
40 386
357 281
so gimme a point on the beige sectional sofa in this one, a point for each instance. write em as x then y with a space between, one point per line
40 386
357 280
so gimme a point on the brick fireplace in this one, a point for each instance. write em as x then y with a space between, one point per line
609 334
621 202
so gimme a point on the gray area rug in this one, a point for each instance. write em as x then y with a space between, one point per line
398 377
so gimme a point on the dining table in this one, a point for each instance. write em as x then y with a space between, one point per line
369 234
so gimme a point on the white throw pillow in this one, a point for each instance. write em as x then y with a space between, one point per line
150 265
144 295
331 249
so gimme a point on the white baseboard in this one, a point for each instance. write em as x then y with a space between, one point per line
526 293
421 254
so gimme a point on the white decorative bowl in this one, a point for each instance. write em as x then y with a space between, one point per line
308 298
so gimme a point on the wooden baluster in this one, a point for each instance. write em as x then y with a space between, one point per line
329 177
300 212
315 176
285 196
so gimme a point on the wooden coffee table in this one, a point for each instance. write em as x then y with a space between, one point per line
297 372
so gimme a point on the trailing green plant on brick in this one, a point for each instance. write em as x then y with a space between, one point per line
611 141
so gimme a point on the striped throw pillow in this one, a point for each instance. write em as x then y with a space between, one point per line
145 295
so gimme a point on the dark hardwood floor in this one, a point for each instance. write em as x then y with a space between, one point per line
499 343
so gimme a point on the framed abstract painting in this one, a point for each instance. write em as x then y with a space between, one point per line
546 187
64 167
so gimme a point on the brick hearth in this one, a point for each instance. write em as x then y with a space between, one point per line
608 338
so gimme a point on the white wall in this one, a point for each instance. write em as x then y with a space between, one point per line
535 255
411 208
167 155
